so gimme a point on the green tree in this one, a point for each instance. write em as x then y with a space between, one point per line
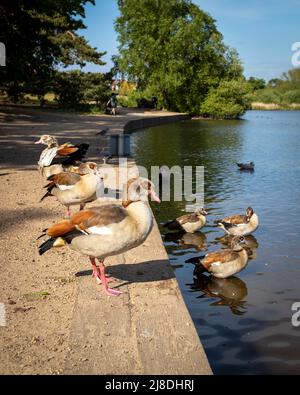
76 89
69 88
228 100
173 50
98 88
256 83
40 36
283 91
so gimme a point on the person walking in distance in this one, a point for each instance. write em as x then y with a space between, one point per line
112 104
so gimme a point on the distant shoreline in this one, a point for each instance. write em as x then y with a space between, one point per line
274 106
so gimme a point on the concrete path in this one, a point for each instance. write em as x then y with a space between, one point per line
147 330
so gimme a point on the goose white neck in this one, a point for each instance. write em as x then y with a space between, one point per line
141 213
254 220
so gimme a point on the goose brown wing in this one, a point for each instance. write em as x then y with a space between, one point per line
222 256
99 217
235 219
187 218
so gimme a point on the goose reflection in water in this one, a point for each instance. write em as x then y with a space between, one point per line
251 244
230 292
184 240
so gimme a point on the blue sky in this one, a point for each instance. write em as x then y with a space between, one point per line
262 31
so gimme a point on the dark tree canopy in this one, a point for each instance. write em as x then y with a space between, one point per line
39 36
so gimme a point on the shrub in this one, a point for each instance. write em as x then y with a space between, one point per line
227 101
291 97
267 95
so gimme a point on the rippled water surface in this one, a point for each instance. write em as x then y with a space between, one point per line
244 322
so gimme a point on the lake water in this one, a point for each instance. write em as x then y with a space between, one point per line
244 322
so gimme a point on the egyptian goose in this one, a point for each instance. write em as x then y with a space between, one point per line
84 168
246 166
240 225
107 230
251 241
189 222
73 188
56 158
224 263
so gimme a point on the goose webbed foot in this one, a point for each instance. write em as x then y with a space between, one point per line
97 275
68 212
112 291
104 280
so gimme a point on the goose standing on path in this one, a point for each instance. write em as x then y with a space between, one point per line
107 230
190 223
56 158
224 263
72 188
240 225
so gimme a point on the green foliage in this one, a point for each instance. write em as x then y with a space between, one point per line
131 99
173 50
69 89
267 95
256 83
97 88
77 90
291 96
283 91
228 100
39 36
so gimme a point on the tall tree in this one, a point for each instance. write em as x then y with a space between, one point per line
40 35
173 50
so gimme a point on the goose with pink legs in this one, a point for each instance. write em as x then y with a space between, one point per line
107 230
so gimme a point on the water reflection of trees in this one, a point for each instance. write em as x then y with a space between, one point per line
212 144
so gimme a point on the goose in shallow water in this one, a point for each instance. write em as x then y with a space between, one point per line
240 225
251 241
224 263
189 222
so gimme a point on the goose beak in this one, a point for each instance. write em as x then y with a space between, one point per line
154 197
39 142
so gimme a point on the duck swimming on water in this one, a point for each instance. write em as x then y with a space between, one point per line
246 166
